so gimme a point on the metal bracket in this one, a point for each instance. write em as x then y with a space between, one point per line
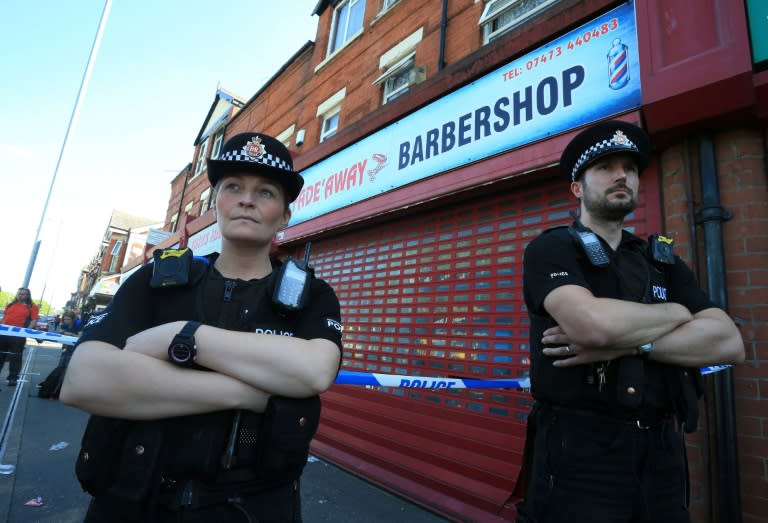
712 213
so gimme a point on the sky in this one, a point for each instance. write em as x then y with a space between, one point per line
152 82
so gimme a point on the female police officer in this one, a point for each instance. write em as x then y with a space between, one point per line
203 390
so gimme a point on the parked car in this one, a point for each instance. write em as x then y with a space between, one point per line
44 323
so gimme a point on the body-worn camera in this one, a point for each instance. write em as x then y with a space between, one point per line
661 249
170 267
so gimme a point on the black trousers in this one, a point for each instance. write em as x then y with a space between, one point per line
595 469
12 347
275 505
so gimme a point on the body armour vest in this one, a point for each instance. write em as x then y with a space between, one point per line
624 386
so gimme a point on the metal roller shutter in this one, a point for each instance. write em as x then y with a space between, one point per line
438 294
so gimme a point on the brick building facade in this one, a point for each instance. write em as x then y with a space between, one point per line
428 270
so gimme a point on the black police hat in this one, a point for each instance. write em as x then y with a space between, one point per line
601 140
257 153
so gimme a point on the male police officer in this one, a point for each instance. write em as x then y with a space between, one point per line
618 329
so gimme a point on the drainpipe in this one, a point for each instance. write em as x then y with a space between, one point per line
711 217
443 28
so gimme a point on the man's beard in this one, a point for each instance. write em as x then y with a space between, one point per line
608 210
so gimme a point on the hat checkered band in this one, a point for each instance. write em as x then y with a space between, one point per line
618 142
265 159
255 152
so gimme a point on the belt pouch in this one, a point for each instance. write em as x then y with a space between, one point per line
287 429
138 473
196 444
100 451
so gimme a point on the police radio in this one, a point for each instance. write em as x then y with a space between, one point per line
592 247
292 286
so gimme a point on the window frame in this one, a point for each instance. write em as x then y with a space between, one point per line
407 65
201 157
218 141
205 201
333 45
490 15
324 132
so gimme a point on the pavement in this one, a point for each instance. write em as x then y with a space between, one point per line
40 439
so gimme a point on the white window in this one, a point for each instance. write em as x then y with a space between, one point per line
217 141
188 207
115 256
347 22
200 167
400 77
328 112
499 16
174 222
330 125
387 4
400 71
205 201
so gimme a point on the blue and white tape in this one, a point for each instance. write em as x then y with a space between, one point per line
372 379
23 332
347 377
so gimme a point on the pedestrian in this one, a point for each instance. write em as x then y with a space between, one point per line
214 395
619 328
21 312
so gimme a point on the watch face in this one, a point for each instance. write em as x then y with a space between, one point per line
182 353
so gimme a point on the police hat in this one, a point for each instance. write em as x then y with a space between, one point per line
257 153
601 140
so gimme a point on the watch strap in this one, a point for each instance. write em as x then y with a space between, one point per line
189 329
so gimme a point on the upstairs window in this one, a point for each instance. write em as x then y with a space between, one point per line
330 125
347 22
205 201
387 4
399 65
200 167
500 16
217 141
115 256
174 222
328 112
399 78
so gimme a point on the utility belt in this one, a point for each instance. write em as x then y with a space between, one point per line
194 494
132 463
639 420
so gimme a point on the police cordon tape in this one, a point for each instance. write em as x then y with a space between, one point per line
347 377
19 332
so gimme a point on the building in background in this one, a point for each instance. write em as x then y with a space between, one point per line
124 238
429 133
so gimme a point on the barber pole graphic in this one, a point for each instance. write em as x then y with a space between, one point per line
618 68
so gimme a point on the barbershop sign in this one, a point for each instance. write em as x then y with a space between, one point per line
586 75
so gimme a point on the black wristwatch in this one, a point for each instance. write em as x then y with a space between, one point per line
183 350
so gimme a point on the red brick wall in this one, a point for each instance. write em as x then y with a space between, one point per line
741 165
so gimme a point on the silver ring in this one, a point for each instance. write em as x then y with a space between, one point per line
568 349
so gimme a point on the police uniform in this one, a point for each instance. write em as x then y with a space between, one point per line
605 440
219 466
